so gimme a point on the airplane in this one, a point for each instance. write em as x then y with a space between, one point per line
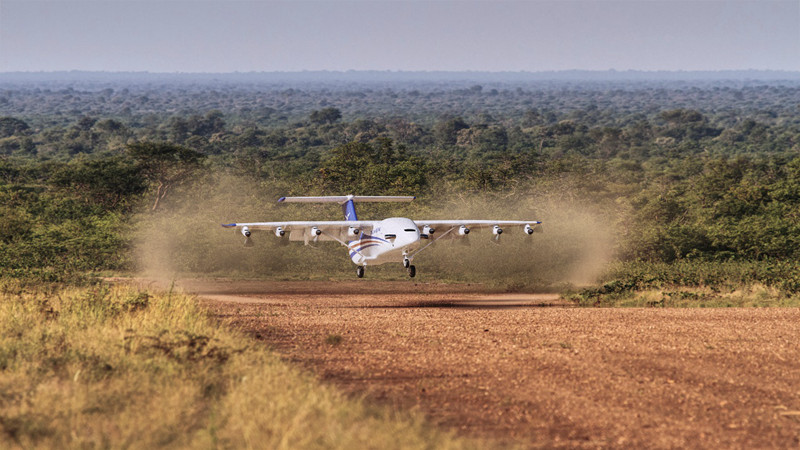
374 242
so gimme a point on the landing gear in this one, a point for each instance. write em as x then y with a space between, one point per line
360 271
406 262
412 271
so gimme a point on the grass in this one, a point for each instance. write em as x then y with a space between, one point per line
752 296
695 284
112 366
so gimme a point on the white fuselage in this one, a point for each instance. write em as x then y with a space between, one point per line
388 241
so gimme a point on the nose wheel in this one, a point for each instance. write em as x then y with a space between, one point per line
360 271
412 271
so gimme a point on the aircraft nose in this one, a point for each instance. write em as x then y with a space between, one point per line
410 234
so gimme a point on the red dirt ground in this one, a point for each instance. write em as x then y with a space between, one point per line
528 369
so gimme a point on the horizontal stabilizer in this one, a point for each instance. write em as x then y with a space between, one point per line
341 199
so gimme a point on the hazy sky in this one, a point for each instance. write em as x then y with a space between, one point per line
532 35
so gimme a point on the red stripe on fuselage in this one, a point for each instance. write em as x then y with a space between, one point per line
364 242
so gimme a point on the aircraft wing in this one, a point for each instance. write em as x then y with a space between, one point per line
320 230
454 227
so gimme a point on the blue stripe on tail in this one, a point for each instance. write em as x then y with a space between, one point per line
349 210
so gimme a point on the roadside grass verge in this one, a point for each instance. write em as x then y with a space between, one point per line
695 284
112 366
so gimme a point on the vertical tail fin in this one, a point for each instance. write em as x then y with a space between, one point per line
349 210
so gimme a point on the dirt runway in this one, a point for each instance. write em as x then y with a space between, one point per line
528 369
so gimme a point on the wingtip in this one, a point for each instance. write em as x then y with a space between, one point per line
228 225
281 199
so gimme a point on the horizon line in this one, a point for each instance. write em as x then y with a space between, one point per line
234 72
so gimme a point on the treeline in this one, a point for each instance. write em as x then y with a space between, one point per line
676 181
593 103
473 123
74 215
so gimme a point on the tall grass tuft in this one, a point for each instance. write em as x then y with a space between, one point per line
111 366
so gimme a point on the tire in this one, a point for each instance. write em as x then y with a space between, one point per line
412 271
360 271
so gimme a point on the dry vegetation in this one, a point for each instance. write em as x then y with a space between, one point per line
119 367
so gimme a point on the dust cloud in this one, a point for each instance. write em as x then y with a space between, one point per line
574 248
185 238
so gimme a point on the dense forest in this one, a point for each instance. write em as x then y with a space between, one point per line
673 171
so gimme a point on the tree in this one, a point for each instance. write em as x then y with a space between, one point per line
10 126
179 129
687 124
378 168
85 123
446 131
325 116
165 165
110 126
107 181
215 122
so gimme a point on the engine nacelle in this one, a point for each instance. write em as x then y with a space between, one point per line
497 231
353 231
463 230
246 232
315 231
530 230
280 232
428 230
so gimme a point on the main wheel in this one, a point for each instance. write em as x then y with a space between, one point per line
360 271
406 262
412 271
